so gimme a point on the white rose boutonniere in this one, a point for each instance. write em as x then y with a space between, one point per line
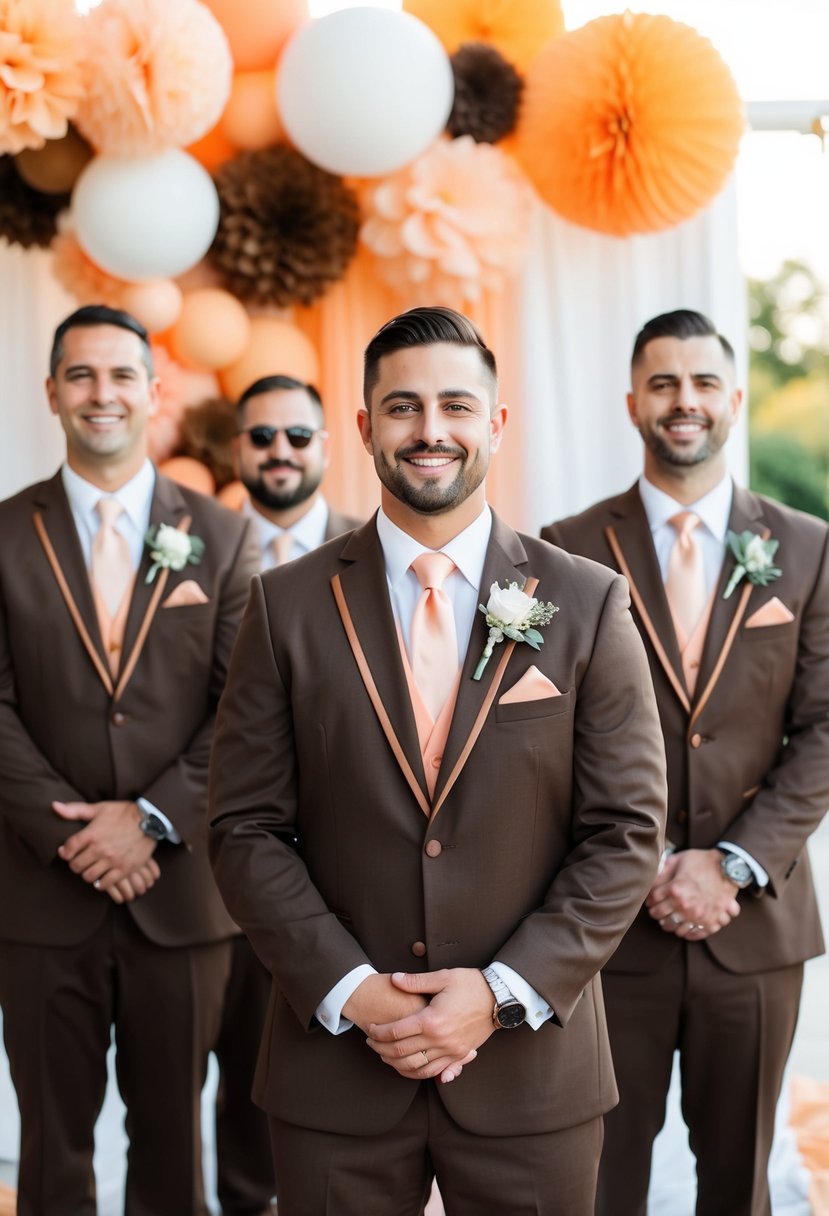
172 549
755 560
511 613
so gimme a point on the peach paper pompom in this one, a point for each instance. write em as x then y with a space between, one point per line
80 276
41 74
158 75
450 225
629 124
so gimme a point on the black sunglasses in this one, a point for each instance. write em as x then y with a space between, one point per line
263 436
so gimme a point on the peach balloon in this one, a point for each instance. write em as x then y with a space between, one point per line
250 120
189 473
212 330
213 149
156 304
54 168
233 495
275 347
257 29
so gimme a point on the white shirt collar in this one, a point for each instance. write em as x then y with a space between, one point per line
714 508
135 496
467 550
308 531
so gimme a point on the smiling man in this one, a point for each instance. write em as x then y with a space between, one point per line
112 659
433 866
731 596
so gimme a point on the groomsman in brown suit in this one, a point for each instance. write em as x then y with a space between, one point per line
113 653
730 593
434 866
280 454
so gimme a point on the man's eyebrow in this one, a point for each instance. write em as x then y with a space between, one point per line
446 394
694 376
87 367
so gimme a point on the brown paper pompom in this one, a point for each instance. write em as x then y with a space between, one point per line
207 432
487 94
27 217
287 230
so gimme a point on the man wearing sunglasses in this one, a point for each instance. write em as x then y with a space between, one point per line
281 453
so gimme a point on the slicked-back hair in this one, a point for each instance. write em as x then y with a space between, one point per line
683 323
277 383
100 314
422 327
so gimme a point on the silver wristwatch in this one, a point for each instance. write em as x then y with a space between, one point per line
508 1012
737 870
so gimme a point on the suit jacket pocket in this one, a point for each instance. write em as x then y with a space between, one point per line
545 707
770 633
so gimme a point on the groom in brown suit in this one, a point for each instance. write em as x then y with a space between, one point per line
112 659
738 644
432 866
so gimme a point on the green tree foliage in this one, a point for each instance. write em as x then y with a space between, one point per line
789 388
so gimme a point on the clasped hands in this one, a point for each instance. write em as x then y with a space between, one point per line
691 897
111 852
427 1024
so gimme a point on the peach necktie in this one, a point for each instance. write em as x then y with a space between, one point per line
434 641
111 562
281 547
685 584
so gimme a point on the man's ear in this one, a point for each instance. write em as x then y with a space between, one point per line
631 404
51 395
497 422
364 427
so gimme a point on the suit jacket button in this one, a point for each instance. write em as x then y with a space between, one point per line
118 719
696 740
434 848
418 949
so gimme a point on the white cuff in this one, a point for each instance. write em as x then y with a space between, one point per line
330 1009
760 875
172 834
538 1011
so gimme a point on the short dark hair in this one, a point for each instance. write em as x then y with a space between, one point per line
683 323
422 327
271 384
100 314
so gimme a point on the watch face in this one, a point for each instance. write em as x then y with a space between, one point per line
510 1015
737 870
152 826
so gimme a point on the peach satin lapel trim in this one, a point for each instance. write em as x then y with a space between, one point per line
723 655
529 587
656 641
158 590
374 696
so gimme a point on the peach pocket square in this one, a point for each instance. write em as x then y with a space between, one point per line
773 612
533 686
188 592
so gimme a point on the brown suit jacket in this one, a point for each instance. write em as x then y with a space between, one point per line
63 736
748 756
540 842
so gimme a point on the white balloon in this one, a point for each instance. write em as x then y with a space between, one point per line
364 91
145 217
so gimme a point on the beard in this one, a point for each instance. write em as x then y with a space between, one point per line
684 458
282 500
430 497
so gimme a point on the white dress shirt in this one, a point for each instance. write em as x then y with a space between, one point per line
713 510
462 586
308 533
136 497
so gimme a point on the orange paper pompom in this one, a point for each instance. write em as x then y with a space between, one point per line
41 73
157 77
80 276
517 28
630 124
450 225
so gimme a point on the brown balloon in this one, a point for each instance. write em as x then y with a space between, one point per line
54 168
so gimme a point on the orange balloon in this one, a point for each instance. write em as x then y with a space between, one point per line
258 29
516 28
250 119
630 124
275 348
156 304
233 495
213 149
54 168
189 473
212 330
